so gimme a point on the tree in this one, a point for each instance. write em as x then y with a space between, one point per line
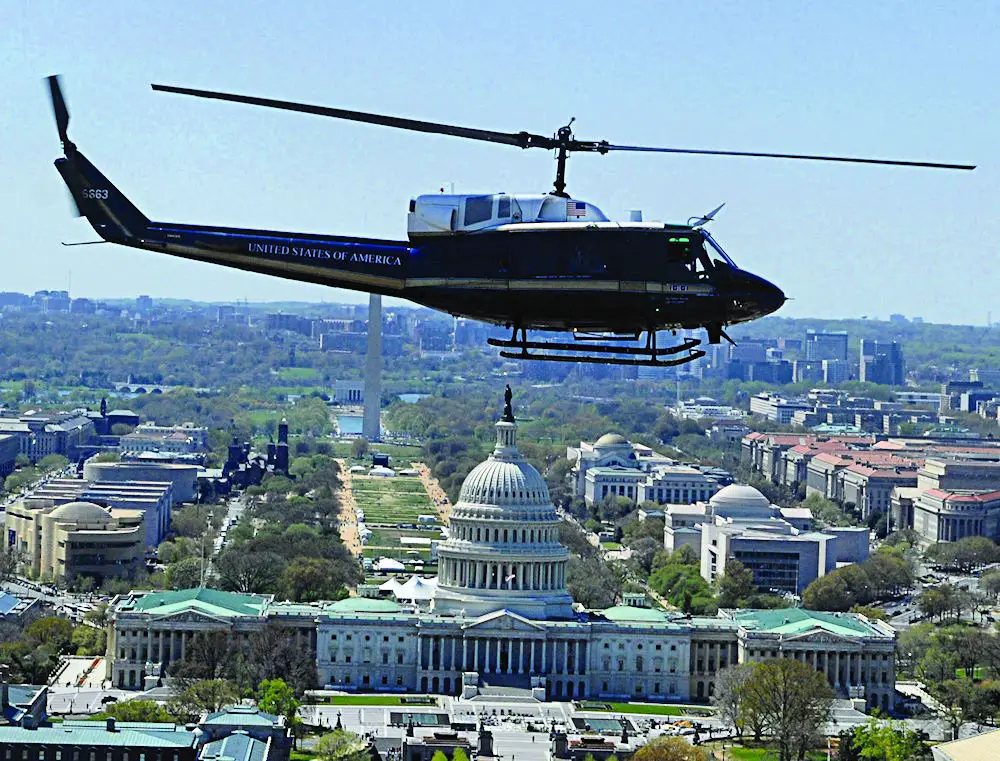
206 695
670 749
793 699
51 632
11 558
52 462
275 696
989 583
730 686
735 585
135 710
312 579
359 447
341 746
593 582
644 552
877 741
249 572
272 650
185 573
209 656
88 640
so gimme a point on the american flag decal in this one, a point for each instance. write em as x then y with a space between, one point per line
576 209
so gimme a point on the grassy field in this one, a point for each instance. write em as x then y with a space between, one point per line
372 700
611 545
387 537
652 708
397 553
391 500
298 374
760 753
400 455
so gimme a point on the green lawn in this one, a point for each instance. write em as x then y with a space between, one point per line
400 455
298 374
654 708
370 700
387 537
978 675
397 553
391 500
759 753
611 545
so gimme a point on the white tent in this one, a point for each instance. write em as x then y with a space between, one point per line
388 564
417 588
381 472
392 585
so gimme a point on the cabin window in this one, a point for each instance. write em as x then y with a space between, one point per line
478 209
503 207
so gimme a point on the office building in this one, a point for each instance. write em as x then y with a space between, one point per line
882 362
822 345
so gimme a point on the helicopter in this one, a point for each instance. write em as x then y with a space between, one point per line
538 262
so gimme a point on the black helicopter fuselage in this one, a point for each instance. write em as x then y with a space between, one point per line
586 277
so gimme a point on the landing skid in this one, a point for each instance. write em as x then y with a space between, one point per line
645 356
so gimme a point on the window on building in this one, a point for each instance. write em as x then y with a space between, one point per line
656 688
385 658
399 658
399 681
385 679
347 659
385 639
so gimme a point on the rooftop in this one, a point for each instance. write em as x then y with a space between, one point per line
95 733
243 716
213 602
364 605
792 621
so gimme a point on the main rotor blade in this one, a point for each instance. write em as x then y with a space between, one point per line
750 154
59 107
520 139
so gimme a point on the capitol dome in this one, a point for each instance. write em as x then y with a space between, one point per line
81 512
504 482
611 440
739 498
503 550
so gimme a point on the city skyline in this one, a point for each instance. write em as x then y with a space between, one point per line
851 80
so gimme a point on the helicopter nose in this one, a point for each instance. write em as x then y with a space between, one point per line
761 296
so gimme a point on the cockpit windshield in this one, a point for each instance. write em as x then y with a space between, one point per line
718 249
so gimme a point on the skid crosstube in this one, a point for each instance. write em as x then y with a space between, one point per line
688 345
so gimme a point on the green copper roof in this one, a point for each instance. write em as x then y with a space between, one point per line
364 605
633 613
212 602
799 621
243 716
93 733
236 747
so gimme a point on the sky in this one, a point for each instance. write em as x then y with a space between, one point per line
888 80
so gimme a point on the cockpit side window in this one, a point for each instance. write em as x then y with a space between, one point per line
478 209
714 249
503 207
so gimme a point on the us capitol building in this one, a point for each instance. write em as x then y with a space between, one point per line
501 616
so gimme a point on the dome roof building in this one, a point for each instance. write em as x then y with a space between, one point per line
82 514
741 501
609 440
503 550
